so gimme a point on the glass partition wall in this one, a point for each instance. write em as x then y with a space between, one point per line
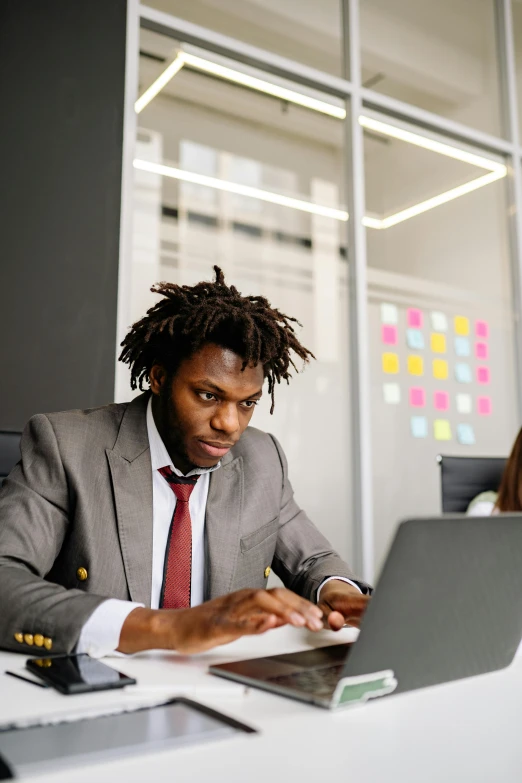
372 193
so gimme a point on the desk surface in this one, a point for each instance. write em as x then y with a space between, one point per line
467 731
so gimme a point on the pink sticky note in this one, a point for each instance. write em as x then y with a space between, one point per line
441 400
482 329
481 350
484 406
414 317
417 397
389 334
483 374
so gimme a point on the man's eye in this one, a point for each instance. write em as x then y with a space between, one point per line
250 403
207 396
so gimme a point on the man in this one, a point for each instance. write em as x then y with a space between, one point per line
155 524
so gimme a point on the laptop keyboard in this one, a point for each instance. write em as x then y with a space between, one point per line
320 682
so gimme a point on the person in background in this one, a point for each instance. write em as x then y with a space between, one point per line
509 495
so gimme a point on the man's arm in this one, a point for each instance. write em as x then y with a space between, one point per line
304 559
34 518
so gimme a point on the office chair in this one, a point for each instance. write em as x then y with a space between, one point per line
9 452
463 478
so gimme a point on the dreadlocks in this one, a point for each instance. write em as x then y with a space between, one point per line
187 317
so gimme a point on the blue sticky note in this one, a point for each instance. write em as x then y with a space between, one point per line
415 339
419 426
463 372
465 434
462 346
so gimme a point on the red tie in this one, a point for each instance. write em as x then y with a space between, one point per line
175 592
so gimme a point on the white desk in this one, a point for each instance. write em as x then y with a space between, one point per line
469 731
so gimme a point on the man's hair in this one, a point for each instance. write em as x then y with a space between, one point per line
188 317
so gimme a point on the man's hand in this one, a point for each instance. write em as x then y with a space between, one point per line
341 604
215 622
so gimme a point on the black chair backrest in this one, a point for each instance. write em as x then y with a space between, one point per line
463 478
9 452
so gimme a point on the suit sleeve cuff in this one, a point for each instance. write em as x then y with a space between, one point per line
340 579
101 633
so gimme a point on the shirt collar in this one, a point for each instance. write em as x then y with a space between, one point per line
159 455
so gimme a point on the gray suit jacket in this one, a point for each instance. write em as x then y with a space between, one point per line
81 498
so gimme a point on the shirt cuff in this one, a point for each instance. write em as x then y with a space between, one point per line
340 579
101 633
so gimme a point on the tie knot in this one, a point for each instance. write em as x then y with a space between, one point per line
181 486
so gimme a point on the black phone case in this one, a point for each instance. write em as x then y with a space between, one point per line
69 689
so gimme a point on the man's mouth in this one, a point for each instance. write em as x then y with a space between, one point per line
214 448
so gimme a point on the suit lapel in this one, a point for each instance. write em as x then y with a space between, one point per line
131 472
223 525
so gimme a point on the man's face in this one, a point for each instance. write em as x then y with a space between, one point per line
204 409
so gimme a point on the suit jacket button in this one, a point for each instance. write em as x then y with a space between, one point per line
38 639
48 643
28 638
82 574
19 637
267 572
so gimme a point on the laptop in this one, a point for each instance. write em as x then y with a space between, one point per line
447 605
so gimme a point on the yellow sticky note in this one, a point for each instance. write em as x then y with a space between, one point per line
440 369
438 343
461 325
415 365
390 363
441 429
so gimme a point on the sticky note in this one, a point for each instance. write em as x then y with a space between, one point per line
419 426
483 374
389 334
462 346
438 343
482 329
440 369
389 313
415 365
481 350
441 400
392 393
414 318
415 339
417 397
390 363
462 372
464 404
461 325
465 434
484 406
441 429
439 322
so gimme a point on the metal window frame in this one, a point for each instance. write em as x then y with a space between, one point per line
358 97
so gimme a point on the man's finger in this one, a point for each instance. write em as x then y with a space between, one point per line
283 604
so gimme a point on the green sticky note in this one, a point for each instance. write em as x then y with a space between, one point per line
441 429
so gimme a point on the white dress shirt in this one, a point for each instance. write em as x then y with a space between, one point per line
101 633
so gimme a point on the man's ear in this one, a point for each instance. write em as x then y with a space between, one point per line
157 378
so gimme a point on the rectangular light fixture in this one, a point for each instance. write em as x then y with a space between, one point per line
240 190
496 169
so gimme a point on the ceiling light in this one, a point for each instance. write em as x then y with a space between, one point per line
245 80
496 168
430 144
443 198
310 207
240 190
159 84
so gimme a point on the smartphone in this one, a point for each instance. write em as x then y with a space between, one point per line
77 673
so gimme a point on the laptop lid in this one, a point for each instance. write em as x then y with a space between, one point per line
448 603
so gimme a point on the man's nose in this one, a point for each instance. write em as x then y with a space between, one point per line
226 419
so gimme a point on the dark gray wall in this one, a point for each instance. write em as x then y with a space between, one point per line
62 66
